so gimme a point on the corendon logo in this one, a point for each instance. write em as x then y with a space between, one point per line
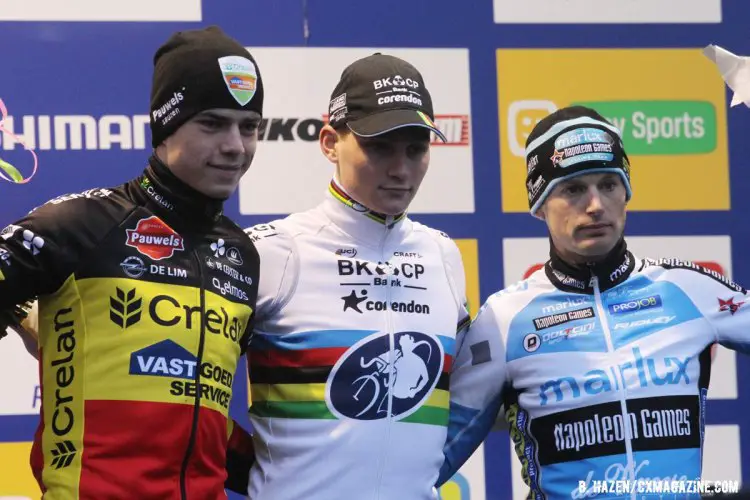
154 239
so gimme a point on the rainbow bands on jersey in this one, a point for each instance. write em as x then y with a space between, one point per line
347 200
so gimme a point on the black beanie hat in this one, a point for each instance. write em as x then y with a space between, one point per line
196 70
572 141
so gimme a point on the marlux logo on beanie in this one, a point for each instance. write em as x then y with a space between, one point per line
240 77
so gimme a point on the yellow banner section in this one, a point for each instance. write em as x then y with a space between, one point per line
668 103
470 255
17 479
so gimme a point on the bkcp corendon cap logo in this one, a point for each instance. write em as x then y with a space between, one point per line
154 238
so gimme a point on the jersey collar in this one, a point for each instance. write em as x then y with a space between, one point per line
174 199
615 268
359 221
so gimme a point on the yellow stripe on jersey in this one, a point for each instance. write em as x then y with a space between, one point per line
317 392
289 392
63 338
439 399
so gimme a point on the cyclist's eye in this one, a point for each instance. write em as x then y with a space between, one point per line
573 189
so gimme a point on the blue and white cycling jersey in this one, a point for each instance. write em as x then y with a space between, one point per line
603 372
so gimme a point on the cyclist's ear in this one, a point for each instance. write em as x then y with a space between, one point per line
541 213
328 139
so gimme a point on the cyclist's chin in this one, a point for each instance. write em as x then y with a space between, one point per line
218 190
391 205
597 246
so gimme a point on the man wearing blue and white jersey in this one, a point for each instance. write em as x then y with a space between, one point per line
360 310
601 359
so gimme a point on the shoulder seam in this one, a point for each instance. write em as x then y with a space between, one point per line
670 264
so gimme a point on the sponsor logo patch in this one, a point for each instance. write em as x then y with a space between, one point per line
240 77
639 304
153 238
360 386
559 319
730 305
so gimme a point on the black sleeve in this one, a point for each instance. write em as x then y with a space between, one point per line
248 334
240 458
41 250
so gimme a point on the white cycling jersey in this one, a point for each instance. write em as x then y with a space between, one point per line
355 334
603 373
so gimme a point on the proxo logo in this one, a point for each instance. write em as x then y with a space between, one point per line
125 308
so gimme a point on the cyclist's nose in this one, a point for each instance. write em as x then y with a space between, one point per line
595 205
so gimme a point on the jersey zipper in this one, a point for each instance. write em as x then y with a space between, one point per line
630 468
198 392
391 361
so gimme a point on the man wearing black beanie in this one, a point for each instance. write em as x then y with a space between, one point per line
206 105
146 294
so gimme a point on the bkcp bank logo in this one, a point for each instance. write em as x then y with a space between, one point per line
668 104
523 256
607 11
295 165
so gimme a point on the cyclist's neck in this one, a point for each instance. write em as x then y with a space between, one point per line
574 274
338 191
359 222
173 197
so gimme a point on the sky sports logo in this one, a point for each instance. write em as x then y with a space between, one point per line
639 304
648 127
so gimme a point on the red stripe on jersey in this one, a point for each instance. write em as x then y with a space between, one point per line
322 356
